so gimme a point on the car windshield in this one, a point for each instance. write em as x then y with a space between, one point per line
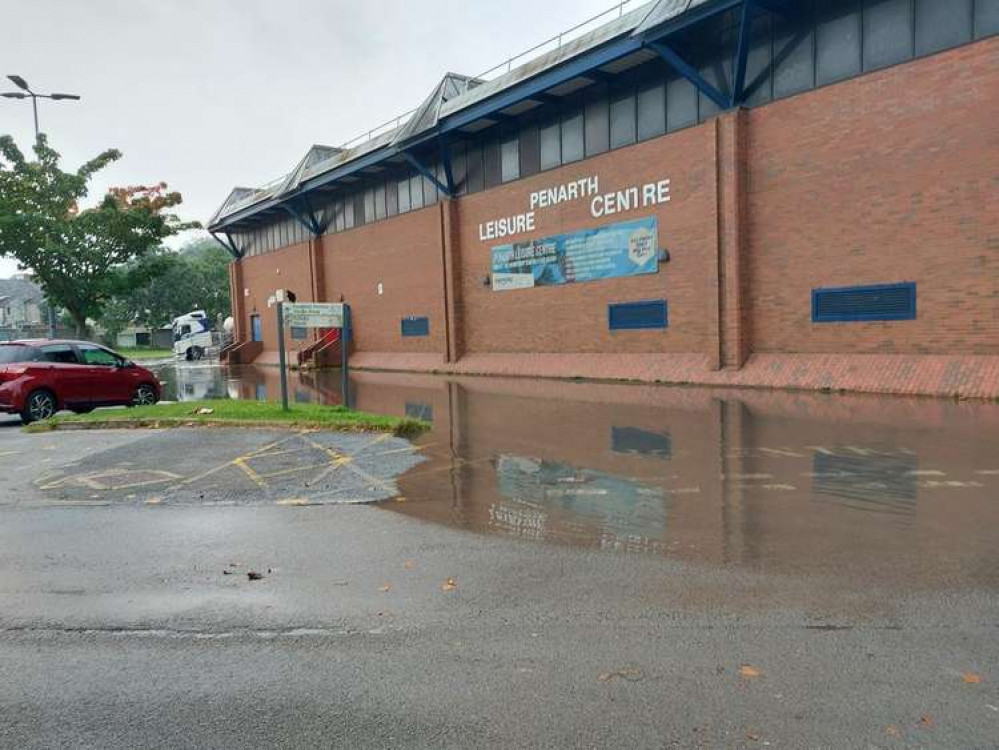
11 353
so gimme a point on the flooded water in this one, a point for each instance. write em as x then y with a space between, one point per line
900 491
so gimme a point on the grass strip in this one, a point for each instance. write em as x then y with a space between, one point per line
232 412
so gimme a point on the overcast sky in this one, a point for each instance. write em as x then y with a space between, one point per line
208 94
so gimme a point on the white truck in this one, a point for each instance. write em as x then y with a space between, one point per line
192 336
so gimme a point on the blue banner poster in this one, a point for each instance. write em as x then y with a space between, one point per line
629 248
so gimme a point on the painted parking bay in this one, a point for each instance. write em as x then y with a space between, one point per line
231 466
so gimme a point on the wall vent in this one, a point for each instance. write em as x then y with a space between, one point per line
416 326
856 303
627 316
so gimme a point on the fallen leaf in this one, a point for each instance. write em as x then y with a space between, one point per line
227 572
409 565
971 678
449 585
254 575
631 674
752 736
747 671
892 731
205 411
925 721
386 588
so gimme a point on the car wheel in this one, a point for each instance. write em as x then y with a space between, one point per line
145 395
40 405
197 353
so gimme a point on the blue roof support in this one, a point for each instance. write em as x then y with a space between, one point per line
445 149
742 55
680 66
419 167
228 244
309 223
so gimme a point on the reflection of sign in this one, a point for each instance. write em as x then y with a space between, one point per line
629 248
314 315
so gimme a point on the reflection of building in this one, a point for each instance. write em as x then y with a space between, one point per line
823 206
795 483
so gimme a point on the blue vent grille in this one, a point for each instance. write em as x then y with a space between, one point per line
416 326
628 316
881 302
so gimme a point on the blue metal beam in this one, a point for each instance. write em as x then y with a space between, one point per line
228 244
681 67
418 166
541 83
445 149
742 55
292 209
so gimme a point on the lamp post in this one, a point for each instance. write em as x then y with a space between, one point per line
24 93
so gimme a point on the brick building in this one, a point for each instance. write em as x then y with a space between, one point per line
745 192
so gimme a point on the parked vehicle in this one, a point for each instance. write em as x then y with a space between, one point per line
192 335
40 377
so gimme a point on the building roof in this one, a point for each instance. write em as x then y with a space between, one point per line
463 103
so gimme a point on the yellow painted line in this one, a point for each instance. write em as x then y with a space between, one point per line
254 477
234 461
293 470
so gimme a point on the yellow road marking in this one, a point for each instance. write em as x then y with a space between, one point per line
254 476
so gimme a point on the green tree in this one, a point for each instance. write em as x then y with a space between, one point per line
80 258
194 278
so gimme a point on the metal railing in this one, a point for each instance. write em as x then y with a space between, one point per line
549 45
554 43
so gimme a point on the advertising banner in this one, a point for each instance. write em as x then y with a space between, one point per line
629 248
314 315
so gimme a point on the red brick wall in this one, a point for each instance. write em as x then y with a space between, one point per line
404 254
573 317
287 268
887 177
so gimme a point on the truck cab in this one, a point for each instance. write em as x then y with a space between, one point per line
192 336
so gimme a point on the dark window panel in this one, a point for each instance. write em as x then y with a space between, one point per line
349 220
794 63
416 190
837 40
941 24
551 145
986 18
597 127
681 104
360 210
391 198
573 137
622 121
887 32
430 193
758 87
651 112
369 205
718 73
402 193
459 167
476 178
492 164
530 151
510 158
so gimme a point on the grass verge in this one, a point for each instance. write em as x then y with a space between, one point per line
227 412
145 354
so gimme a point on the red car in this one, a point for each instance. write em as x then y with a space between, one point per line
39 378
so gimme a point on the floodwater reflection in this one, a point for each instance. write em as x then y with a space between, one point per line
905 490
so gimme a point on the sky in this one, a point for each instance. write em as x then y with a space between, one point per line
209 94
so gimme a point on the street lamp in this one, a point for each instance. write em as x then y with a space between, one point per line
24 93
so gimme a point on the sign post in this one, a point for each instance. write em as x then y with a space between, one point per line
282 357
344 345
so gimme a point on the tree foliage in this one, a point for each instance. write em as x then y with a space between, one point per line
195 278
82 258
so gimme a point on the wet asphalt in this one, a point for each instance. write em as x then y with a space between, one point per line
495 599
